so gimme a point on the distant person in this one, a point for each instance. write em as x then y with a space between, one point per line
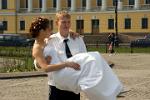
146 36
111 42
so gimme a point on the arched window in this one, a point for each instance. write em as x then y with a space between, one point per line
131 2
4 4
95 26
99 2
40 3
144 23
80 26
127 23
69 3
54 3
147 1
26 3
83 3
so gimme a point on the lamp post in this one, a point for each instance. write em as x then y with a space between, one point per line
116 24
17 3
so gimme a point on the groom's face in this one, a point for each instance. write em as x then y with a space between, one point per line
63 24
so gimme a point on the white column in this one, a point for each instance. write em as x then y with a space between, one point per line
58 5
88 4
30 6
0 4
17 5
119 5
104 4
136 4
73 5
44 7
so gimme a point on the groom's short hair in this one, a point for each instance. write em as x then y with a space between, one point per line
62 13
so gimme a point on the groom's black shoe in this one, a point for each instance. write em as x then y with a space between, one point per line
112 65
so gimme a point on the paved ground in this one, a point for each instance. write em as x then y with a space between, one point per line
132 69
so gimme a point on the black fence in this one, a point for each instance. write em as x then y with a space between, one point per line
121 48
13 59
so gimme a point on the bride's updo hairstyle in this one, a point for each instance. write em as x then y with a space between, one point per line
39 24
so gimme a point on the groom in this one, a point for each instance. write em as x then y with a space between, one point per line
65 47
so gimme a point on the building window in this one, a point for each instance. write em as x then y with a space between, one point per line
144 23
5 25
40 3
69 3
83 3
99 2
147 1
79 26
4 4
128 23
54 3
51 24
95 26
1 26
114 2
131 2
26 3
22 25
110 23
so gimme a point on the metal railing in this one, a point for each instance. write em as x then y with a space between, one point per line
23 10
145 7
83 9
20 59
15 58
128 7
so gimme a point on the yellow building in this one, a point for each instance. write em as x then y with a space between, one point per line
88 16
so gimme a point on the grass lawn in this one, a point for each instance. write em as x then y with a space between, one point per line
122 49
17 59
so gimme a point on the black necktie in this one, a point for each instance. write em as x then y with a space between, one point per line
68 53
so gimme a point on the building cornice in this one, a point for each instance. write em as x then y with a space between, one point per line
7 13
129 11
35 14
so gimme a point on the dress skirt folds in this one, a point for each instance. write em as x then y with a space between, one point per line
95 78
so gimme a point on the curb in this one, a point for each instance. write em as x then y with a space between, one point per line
22 75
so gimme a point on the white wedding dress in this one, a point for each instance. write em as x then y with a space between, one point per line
95 78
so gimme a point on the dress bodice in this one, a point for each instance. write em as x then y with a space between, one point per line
50 51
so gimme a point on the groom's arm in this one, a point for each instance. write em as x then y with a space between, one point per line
82 44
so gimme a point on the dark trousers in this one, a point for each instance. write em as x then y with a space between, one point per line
57 94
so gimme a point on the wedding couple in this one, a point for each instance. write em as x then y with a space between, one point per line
70 68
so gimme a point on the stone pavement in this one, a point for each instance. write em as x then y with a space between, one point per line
132 69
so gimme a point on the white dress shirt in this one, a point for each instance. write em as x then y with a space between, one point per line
76 45
56 42
95 78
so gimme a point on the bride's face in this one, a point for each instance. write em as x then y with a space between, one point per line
48 32
45 33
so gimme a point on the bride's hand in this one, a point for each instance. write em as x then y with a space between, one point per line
74 34
73 65
48 59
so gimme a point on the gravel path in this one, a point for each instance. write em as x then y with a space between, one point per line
132 69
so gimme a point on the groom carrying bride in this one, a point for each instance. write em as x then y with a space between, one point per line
95 77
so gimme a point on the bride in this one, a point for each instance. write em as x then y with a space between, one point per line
87 72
